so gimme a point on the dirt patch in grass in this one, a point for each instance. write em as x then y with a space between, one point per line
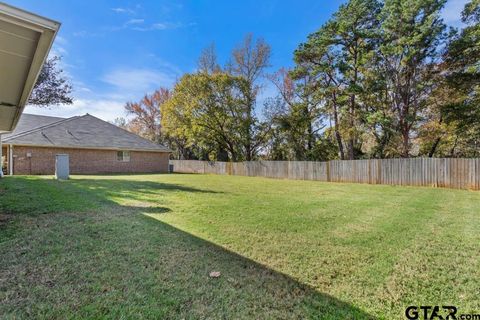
5 218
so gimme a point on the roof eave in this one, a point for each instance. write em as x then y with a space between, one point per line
86 147
48 30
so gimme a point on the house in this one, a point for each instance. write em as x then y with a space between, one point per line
93 145
25 40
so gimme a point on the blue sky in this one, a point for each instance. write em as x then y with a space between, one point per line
115 51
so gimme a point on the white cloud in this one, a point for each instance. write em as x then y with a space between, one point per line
81 33
87 34
60 40
134 21
137 81
107 102
80 88
59 51
140 25
158 26
107 110
165 65
123 10
163 26
59 47
452 13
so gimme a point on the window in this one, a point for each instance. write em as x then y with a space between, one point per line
123 156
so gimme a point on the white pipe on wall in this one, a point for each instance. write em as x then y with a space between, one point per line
1 158
10 160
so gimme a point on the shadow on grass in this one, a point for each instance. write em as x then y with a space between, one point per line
38 195
272 289
134 185
245 289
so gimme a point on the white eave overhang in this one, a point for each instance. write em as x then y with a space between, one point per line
25 40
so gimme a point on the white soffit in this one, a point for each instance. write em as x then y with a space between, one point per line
25 40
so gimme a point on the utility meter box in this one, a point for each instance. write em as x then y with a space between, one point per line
62 167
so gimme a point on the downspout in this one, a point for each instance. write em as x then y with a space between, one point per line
10 160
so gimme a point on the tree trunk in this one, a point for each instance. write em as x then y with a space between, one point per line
437 141
310 139
452 151
248 127
406 143
351 138
337 132
434 147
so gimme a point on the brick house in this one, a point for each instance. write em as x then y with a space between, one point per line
93 145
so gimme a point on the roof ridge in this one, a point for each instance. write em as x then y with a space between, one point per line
40 128
131 133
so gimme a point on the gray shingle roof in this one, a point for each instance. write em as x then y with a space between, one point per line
76 132
29 122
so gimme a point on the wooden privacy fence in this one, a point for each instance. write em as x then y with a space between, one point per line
432 172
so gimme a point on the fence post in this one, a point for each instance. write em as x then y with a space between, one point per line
328 171
369 164
379 171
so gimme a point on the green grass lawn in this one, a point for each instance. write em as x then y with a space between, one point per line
142 247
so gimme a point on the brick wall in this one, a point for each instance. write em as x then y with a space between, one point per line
86 161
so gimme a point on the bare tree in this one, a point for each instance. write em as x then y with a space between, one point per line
207 62
146 112
249 61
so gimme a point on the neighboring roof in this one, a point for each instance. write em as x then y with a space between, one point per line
87 132
25 40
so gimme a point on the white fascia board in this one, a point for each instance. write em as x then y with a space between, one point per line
46 29
23 17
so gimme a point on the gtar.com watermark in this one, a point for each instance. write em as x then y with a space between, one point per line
438 312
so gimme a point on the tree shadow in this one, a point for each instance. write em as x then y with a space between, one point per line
248 281
149 187
145 210
34 195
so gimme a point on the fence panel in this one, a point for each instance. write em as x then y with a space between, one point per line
188 166
215 167
448 173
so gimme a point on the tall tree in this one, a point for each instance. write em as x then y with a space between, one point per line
300 116
315 59
208 110
249 61
146 115
336 56
52 86
412 32
462 59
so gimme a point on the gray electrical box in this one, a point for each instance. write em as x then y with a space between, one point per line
62 167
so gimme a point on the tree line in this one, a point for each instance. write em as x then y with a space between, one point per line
379 79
